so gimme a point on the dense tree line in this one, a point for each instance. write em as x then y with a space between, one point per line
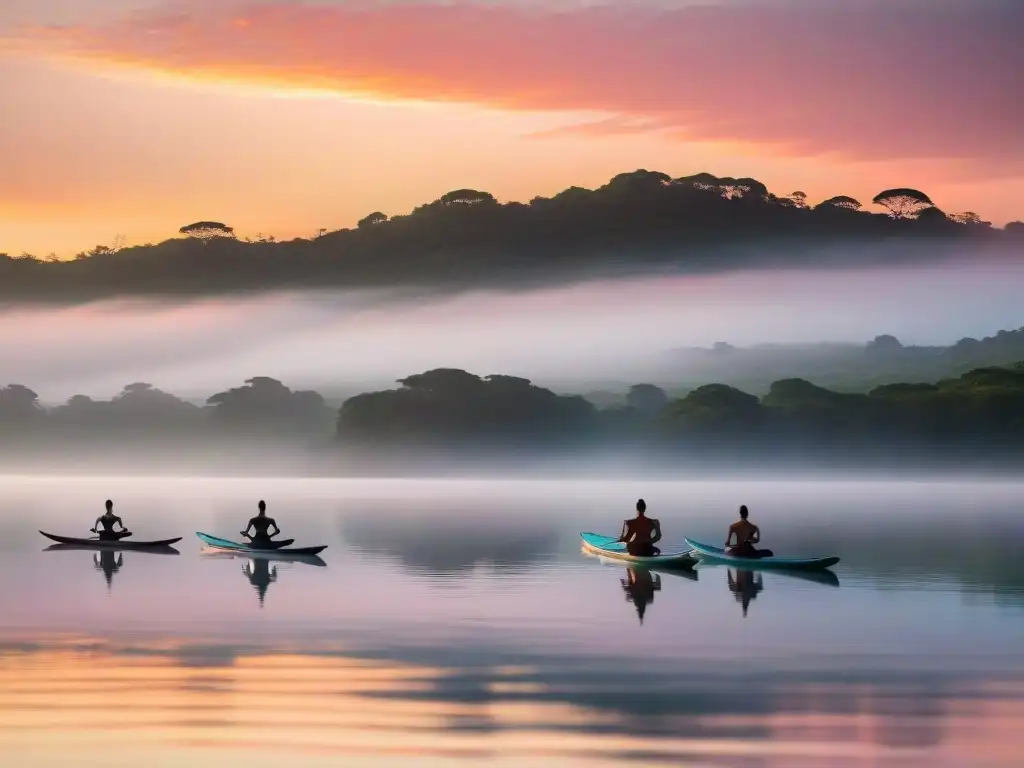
261 409
637 221
846 367
449 413
977 415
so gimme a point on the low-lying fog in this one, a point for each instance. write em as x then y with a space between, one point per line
342 343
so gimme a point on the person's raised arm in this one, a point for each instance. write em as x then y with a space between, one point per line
246 531
625 530
657 532
96 524
755 535
120 522
277 530
728 537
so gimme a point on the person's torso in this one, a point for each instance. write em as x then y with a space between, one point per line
261 524
744 531
641 529
107 521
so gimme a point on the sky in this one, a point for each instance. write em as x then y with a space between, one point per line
135 117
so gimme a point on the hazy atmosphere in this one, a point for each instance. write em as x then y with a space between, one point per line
511 382
621 330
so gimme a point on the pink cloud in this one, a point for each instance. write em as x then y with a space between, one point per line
867 82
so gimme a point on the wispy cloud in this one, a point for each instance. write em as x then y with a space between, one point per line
865 80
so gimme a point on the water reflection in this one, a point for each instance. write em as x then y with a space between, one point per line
261 569
164 698
640 586
109 561
451 538
745 586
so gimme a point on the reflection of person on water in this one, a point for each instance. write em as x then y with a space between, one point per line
260 575
641 533
107 521
261 526
747 535
640 586
106 562
745 585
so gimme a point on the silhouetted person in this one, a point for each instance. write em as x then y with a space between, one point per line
261 527
641 533
107 521
747 535
640 587
745 585
260 575
109 562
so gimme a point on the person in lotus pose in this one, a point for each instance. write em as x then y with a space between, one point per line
261 528
106 521
746 535
641 533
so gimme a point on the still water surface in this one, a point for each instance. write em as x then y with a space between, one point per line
458 622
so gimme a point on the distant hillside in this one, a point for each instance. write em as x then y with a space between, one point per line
845 367
638 222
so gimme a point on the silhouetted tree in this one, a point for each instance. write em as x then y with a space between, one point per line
798 199
207 230
264 404
647 398
466 197
932 215
372 220
970 218
902 203
18 403
842 202
884 344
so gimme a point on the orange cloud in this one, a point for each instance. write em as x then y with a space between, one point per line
872 81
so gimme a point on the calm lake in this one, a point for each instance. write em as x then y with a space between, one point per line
458 622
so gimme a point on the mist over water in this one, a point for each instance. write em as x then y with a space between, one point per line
460 620
617 329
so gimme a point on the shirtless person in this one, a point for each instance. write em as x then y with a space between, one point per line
107 521
261 525
747 535
641 533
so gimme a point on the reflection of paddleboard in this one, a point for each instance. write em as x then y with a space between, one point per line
87 548
231 546
607 546
97 543
270 556
716 555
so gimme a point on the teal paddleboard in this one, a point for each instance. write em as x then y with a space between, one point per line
611 547
232 546
717 555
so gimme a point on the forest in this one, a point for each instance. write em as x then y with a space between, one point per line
445 415
638 222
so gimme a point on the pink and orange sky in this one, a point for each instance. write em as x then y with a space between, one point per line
135 117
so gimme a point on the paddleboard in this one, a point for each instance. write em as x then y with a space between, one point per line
233 546
610 547
717 555
97 543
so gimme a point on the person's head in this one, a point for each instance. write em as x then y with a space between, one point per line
743 512
263 507
641 507
109 505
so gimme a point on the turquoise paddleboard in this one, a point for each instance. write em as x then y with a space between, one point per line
232 546
611 547
716 555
